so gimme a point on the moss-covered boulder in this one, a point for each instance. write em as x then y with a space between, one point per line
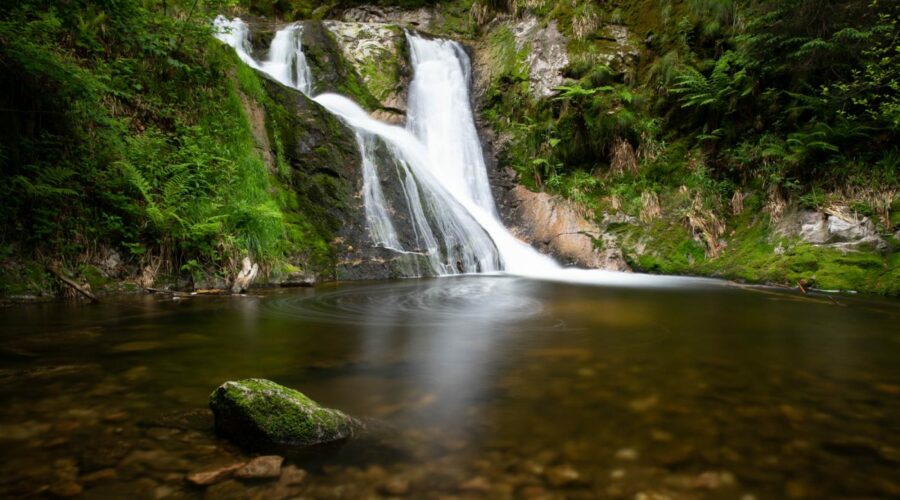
259 413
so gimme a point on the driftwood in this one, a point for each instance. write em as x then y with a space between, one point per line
79 288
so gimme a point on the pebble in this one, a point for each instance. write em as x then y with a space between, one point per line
99 476
65 489
292 475
396 487
478 483
629 454
208 477
264 467
562 475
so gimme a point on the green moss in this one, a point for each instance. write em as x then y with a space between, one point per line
259 411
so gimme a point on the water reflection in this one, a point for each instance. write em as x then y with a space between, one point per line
491 386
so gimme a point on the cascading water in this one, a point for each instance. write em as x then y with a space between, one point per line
285 62
440 115
437 159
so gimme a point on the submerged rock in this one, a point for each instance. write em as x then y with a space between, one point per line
261 413
265 467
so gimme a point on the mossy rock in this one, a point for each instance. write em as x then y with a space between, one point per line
261 414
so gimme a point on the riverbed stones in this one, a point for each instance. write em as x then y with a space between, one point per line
264 467
213 476
259 413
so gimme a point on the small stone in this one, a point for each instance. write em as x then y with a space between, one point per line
264 467
292 475
533 493
396 487
562 475
477 483
617 474
707 481
119 416
629 454
137 346
65 489
206 478
99 476
644 404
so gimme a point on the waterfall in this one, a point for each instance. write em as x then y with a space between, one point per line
285 62
436 162
440 115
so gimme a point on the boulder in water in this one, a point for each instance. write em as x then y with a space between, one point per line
259 413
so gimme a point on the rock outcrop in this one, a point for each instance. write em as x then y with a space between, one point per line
378 53
556 227
260 414
547 55
837 229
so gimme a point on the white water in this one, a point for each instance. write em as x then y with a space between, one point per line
285 62
438 159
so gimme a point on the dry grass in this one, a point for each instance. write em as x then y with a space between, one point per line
623 159
585 21
775 204
615 202
705 224
650 208
737 202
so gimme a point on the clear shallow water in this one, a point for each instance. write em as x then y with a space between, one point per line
474 387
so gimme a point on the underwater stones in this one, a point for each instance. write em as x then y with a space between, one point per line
266 466
213 476
260 413
562 475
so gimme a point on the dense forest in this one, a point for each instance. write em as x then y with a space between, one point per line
122 133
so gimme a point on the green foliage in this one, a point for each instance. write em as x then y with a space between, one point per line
121 126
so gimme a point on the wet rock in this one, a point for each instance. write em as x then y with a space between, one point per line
476 484
292 476
137 346
226 489
562 475
213 476
99 476
65 489
396 487
374 50
23 431
557 227
264 467
261 413
707 481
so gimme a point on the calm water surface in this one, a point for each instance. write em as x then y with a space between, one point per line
473 387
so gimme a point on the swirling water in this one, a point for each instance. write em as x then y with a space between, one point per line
496 387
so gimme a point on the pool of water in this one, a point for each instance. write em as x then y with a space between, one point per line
473 387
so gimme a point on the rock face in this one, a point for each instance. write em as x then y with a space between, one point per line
618 48
555 227
377 51
838 230
259 413
547 55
